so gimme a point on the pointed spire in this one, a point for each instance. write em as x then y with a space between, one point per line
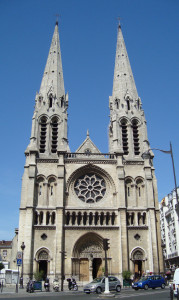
87 134
123 82
52 81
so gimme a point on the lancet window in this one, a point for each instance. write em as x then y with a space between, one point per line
136 137
73 218
54 135
124 137
43 134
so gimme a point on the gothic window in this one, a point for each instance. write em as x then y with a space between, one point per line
79 218
67 221
136 137
140 191
117 103
43 134
50 100
90 188
96 218
41 218
47 218
53 218
113 218
54 135
36 218
39 191
51 190
129 192
128 104
124 137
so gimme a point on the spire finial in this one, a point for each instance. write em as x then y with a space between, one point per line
57 18
87 132
119 21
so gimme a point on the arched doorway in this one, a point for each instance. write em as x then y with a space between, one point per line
42 259
138 262
88 256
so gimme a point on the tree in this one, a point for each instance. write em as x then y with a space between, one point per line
1 266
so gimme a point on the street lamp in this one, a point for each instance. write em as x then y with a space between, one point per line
171 153
22 247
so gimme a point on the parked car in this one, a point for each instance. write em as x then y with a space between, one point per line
98 285
175 284
146 282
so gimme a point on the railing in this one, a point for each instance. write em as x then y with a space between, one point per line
87 155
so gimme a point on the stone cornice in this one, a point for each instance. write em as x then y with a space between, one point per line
44 227
133 162
87 227
90 161
134 227
47 160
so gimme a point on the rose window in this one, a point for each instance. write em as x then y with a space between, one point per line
90 188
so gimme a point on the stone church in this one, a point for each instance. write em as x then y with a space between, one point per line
70 202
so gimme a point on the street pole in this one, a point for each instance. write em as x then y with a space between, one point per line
22 270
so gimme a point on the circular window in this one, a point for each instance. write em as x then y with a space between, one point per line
90 188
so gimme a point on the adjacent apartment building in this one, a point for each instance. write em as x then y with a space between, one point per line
170 231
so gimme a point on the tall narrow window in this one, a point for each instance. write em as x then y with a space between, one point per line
136 137
124 137
50 101
43 133
54 142
128 104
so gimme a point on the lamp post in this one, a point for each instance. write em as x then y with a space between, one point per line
22 247
173 165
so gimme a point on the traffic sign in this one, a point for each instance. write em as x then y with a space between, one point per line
19 261
19 255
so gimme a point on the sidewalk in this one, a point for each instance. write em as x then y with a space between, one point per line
11 289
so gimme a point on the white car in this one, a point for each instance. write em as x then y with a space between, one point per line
98 285
175 284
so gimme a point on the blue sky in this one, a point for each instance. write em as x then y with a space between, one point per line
88 32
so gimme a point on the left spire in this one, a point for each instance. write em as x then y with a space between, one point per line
52 81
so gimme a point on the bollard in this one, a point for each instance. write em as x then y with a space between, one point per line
171 293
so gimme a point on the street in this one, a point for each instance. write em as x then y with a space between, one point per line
156 294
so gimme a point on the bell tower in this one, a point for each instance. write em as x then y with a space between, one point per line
49 122
127 128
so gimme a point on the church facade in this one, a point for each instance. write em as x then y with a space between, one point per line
71 202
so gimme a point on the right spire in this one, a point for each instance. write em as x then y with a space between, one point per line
123 82
127 128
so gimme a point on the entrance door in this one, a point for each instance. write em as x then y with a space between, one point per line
84 269
43 267
138 267
97 271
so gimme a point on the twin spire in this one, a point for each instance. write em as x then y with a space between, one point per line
52 81
123 82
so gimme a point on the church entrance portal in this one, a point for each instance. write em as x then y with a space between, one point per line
138 259
87 257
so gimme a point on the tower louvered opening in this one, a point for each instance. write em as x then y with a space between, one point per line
54 141
136 138
124 137
43 134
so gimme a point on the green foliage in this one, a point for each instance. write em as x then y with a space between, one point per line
126 274
38 275
1 266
